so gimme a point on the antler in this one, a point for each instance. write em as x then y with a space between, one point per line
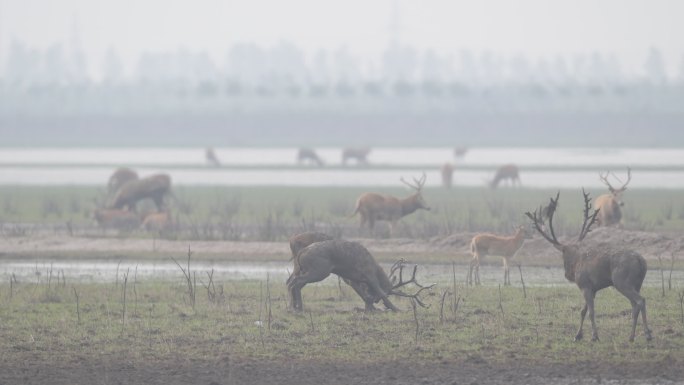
417 183
604 179
538 220
589 220
399 265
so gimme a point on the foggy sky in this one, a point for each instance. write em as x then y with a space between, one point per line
535 28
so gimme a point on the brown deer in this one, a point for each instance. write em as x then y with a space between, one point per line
506 172
609 204
360 155
154 187
447 172
158 221
210 156
116 219
353 262
459 152
300 241
490 244
305 155
380 207
593 269
119 178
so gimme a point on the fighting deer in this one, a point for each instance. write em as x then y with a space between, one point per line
154 187
593 269
353 262
210 156
380 207
116 219
308 155
506 172
447 172
360 155
119 178
609 204
490 244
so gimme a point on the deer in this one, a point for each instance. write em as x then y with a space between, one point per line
353 262
120 176
381 207
309 155
360 155
154 187
506 172
459 152
489 244
210 156
447 172
597 268
116 219
609 204
158 221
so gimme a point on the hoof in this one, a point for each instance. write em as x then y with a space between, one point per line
578 337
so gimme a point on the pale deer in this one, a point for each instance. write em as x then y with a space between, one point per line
158 221
353 262
381 207
210 156
459 152
119 178
308 155
610 204
116 219
360 155
154 187
490 244
506 172
593 269
302 240
447 172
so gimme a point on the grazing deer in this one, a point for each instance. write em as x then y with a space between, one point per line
609 204
350 261
308 155
360 155
210 156
119 178
506 172
116 219
158 221
597 268
380 207
447 172
490 244
154 187
300 241
459 152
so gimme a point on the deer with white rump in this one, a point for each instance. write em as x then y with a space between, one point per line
593 269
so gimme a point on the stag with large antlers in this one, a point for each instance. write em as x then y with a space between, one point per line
609 204
354 263
381 207
490 244
593 269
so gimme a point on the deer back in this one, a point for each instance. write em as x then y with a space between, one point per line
499 245
302 240
609 209
119 178
599 267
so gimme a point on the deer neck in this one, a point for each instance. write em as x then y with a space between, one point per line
571 258
409 204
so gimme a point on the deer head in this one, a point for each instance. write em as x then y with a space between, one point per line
416 200
616 192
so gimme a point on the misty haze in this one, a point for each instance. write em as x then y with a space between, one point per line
341 192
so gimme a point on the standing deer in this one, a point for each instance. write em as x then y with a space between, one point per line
154 187
508 172
490 244
380 207
459 152
609 204
447 172
158 221
308 155
116 219
350 261
360 155
210 156
119 178
593 269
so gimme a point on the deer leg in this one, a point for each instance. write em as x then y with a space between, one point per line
507 280
317 271
382 295
638 306
583 313
647 331
589 297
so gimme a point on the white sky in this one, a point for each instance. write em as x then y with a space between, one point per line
536 28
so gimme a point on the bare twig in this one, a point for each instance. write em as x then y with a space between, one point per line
681 304
268 301
312 324
441 307
669 279
188 278
415 319
454 305
662 275
78 309
123 314
522 281
501 302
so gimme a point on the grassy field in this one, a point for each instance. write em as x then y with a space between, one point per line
65 325
274 213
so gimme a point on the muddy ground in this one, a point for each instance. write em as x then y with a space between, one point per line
171 369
